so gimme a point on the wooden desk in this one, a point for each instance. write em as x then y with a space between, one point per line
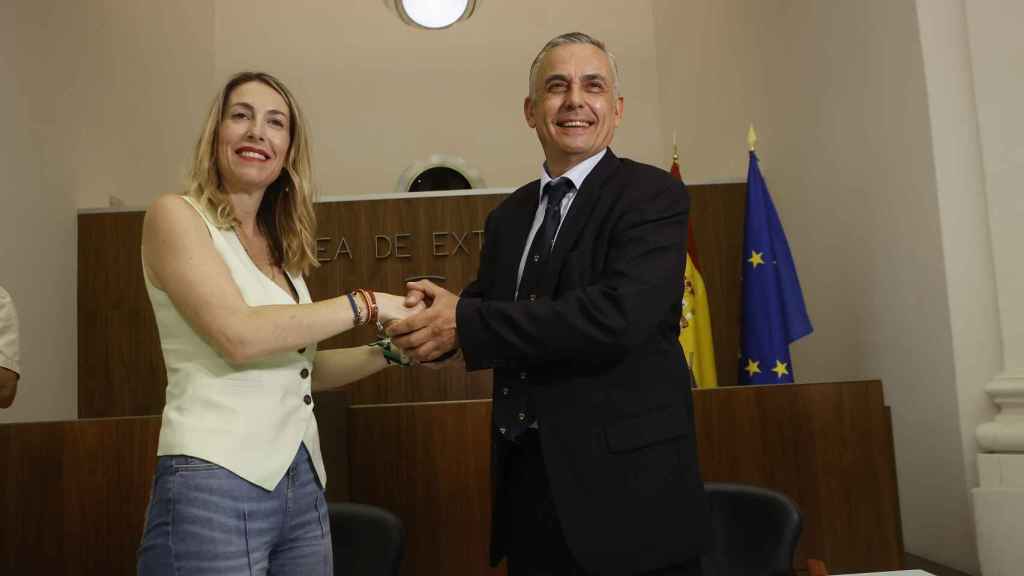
826 446
74 493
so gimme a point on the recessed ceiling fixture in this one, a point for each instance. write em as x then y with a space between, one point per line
433 14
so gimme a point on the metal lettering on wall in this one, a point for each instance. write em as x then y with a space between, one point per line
401 245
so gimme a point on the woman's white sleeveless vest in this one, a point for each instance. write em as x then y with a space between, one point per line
248 418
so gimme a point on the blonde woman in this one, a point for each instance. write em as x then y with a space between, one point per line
240 479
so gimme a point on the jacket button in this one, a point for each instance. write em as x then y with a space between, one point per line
302 350
522 375
305 373
533 297
307 399
522 416
504 391
536 258
502 430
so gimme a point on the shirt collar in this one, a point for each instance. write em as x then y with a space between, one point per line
577 173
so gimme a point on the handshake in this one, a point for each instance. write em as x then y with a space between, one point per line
422 324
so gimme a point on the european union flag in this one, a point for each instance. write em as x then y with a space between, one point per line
773 305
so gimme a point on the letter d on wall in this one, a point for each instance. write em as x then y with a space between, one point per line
381 246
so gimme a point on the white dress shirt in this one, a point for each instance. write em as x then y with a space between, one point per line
577 174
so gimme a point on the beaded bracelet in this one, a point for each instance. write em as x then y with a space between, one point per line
366 301
371 304
357 317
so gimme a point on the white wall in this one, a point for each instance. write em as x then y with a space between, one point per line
37 209
379 95
964 214
997 61
143 80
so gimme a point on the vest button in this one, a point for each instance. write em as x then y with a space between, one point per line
302 350
533 297
522 416
305 373
522 375
504 391
307 399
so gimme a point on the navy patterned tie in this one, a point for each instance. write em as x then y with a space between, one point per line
544 239
513 406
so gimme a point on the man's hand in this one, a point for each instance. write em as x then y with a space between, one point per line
430 333
454 361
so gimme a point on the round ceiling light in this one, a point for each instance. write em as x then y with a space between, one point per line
434 13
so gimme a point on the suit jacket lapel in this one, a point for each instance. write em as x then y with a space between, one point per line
523 212
577 217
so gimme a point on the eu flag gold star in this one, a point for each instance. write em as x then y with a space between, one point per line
753 367
756 258
780 369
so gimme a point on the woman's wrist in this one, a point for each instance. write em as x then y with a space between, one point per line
392 355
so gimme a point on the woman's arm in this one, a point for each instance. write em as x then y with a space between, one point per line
336 368
181 260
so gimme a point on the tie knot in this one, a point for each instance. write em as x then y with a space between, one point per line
557 189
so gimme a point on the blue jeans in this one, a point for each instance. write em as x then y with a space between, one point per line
203 519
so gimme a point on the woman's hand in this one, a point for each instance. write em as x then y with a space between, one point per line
391 308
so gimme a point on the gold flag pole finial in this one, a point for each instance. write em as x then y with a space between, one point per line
675 148
751 137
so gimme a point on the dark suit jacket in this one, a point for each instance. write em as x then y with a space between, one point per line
611 386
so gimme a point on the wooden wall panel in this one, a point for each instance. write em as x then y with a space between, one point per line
120 368
430 464
74 494
718 212
828 447
361 223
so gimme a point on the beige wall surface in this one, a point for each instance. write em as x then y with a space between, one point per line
143 79
37 210
378 94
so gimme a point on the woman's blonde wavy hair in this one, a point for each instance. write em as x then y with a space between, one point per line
286 214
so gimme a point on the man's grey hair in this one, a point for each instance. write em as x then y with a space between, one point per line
573 38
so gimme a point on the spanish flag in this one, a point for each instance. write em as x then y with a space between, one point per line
695 323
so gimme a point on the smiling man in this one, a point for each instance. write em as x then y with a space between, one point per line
576 308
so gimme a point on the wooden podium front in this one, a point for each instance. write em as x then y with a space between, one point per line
430 464
826 446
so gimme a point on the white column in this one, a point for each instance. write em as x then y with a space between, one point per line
999 498
997 55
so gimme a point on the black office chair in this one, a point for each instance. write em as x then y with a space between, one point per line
754 531
365 540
